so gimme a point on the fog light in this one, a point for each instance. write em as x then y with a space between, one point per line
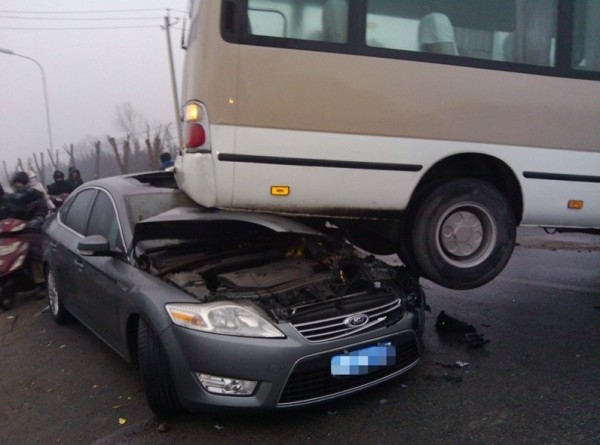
226 386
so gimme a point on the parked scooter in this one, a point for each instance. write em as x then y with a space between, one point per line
20 261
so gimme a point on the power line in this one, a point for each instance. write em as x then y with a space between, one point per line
81 18
105 11
75 28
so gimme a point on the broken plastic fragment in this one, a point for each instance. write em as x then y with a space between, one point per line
122 421
446 323
475 340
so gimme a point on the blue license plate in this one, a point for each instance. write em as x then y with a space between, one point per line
364 361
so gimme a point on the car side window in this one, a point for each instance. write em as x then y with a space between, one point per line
103 221
76 215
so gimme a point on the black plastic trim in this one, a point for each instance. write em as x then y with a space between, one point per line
561 177
304 162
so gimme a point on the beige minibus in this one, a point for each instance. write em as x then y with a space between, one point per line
431 129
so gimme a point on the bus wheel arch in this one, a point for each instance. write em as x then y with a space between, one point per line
458 196
476 166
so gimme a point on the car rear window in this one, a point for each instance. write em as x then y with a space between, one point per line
142 206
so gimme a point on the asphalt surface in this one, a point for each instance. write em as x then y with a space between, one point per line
536 382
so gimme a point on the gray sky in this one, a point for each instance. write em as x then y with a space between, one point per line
88 72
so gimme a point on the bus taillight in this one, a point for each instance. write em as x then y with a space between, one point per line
195 136
195 126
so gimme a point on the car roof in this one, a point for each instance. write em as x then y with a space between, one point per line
127 187
137 183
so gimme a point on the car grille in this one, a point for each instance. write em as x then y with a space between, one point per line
311 379
332 328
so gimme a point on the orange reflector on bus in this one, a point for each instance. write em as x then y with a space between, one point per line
575 204
280 190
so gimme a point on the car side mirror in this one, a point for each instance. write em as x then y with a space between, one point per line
94 245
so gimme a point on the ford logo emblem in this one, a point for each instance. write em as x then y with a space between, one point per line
356 320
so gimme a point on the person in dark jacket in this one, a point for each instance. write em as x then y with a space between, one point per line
25 202
166 163
59 186
74 178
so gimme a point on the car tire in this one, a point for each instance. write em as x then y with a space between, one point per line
155 372
7 295
59 313
463 233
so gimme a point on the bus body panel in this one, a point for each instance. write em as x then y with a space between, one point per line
336 191
313 105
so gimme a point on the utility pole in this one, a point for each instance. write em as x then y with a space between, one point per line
168 24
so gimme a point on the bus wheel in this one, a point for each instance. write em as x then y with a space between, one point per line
463 233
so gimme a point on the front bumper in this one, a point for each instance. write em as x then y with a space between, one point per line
290 371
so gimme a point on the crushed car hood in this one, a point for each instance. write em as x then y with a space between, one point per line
190 222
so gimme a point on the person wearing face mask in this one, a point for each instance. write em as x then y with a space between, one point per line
25 202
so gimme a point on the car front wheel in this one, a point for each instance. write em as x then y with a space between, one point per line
463 233
155 372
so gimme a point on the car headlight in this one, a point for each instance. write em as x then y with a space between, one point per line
10 248
222 318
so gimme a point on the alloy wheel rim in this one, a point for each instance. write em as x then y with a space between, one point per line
52 294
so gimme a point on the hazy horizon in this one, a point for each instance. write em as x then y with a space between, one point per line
89 72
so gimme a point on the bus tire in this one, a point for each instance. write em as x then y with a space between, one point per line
463 233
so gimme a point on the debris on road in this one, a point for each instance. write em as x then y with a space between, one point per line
447 325
475 340
451 325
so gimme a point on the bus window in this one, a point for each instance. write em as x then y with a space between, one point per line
586 36
524 32
296 19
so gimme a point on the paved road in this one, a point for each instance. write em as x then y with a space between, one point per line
536 382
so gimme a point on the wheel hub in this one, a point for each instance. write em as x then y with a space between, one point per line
462 234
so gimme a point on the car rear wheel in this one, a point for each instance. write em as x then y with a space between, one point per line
156 375
60 314
463 233
7 294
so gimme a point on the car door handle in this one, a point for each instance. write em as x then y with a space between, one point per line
78 263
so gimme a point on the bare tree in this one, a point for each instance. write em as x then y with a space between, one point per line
5 172
154 146
54 160
96 145
70 150
122 161
39 167
129 120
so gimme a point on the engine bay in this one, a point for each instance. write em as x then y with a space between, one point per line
291 277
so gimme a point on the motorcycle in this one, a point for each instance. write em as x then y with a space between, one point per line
20 261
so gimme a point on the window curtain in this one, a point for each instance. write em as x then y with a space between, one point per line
592 36
535 28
